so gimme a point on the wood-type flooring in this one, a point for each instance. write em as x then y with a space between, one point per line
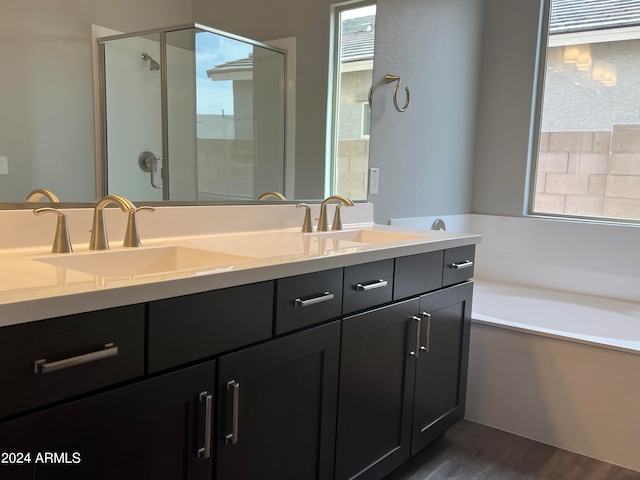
470 451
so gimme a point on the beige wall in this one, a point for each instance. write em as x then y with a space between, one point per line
353 168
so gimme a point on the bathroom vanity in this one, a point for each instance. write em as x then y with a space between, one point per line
341 359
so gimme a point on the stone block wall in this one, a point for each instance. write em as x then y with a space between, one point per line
353 168
225 169
595 173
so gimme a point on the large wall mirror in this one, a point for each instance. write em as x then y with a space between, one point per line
189 113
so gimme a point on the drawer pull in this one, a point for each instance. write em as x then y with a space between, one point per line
363 287
232 438
207 398
459 266
426 346
416 353
325 297
41 366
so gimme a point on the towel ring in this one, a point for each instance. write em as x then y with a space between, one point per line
396 78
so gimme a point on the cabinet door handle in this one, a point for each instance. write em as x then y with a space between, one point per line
426 346
324 297
207 398
42 366
460 266
363 287
417 321
232 438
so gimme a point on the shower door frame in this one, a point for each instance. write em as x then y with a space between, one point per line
102 178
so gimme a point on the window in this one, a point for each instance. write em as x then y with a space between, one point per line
588 162
354 27
366 119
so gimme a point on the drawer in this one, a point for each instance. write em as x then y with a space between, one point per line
188 328
458 264
416 274
367 285
307 299
50 360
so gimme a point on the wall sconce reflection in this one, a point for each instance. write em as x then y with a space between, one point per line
601 71
605 73
580 55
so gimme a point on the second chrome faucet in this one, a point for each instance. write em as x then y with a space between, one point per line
99 240
337 223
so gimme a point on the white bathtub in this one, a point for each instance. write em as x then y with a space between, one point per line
557 367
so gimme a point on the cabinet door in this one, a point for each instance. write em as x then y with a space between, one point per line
441 370
277 408
17 444
376 391
151 429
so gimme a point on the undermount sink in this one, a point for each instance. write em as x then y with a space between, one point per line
145 261
369 236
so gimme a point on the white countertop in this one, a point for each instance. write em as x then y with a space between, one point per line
31 289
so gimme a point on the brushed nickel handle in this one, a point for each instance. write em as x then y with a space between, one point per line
324 297
42 366
363 287
427 344
232 438
416 353
61 241
207 398
459 266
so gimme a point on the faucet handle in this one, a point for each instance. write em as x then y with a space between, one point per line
61 241
337 221
131 236
306 223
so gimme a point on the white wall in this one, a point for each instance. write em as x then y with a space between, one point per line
133 116
425 155
594 259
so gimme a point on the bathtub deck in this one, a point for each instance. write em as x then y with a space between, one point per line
476 452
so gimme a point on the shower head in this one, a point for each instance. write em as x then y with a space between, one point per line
153 65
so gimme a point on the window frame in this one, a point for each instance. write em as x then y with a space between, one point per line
535 134
333 103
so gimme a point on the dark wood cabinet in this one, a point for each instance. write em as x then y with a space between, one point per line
306 300
277 408
343 373
376 391
441 368
50 360
367 285
151 429
416 274
402 380
193 327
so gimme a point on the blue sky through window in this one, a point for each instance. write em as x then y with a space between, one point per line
211 50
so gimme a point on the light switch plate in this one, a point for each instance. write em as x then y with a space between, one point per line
4 166
374 177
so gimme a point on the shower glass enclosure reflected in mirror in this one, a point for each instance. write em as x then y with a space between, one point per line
192 114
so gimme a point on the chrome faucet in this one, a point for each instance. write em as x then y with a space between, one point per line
337 224
37 194
99 239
